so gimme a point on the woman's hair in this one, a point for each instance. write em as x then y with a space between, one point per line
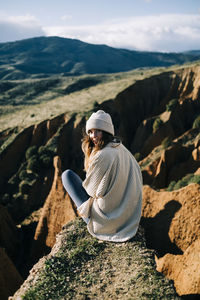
88 146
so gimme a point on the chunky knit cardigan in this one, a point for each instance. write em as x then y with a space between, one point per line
114 183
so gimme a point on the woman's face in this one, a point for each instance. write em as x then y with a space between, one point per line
95 135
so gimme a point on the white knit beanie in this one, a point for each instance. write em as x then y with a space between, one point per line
100 120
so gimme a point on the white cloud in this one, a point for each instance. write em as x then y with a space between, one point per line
167 32
66 18
19 27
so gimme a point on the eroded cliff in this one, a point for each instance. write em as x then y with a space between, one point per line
155 118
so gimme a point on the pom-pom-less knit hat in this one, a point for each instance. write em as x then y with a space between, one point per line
100 120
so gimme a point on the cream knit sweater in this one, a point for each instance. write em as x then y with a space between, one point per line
114 182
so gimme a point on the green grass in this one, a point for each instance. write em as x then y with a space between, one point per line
83 267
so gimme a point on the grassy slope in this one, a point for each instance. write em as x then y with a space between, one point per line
53 101
81 267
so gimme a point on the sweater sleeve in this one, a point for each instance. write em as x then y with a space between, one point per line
84 209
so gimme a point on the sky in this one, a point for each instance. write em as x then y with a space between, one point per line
144 25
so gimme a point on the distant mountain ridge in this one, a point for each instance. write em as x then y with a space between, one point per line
44 56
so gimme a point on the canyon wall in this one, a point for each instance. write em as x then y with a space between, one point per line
134 112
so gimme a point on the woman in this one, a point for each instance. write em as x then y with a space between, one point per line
110 197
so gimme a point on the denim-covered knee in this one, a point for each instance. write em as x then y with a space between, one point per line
66 175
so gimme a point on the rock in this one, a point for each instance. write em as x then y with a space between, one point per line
172 226
162 166
10 279
196 154
57 211
184 269
44 130
9 236
13 154
175 213
197 172
140 101
147 98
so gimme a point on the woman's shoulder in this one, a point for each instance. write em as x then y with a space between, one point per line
108 152
111 148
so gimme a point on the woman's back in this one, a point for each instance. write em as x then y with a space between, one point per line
114 181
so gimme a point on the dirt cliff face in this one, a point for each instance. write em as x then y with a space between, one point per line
171 222
10 279
181 157
147 99
9 235
183 270
57 211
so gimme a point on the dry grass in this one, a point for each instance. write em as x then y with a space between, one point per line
52 104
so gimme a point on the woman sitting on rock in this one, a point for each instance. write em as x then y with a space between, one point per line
110 197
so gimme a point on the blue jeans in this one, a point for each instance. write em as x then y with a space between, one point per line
73 185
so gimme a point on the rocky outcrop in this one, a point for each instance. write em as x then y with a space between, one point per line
147 100
12 156
162 166
9 235
44 131
184 270
10 279
171 222
57 211
39 134
81 267
141 101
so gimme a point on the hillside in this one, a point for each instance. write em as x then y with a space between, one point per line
156 113
44 56
29 101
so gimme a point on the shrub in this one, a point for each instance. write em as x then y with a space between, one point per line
196 123
30 152
166 143
189 178
171 186
95 105
46 156
24 187
138 156
172 104
44 150
195 179
5 199
19 198
183 182
157 124
29 176
14 180
46 161
33 164
23 175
